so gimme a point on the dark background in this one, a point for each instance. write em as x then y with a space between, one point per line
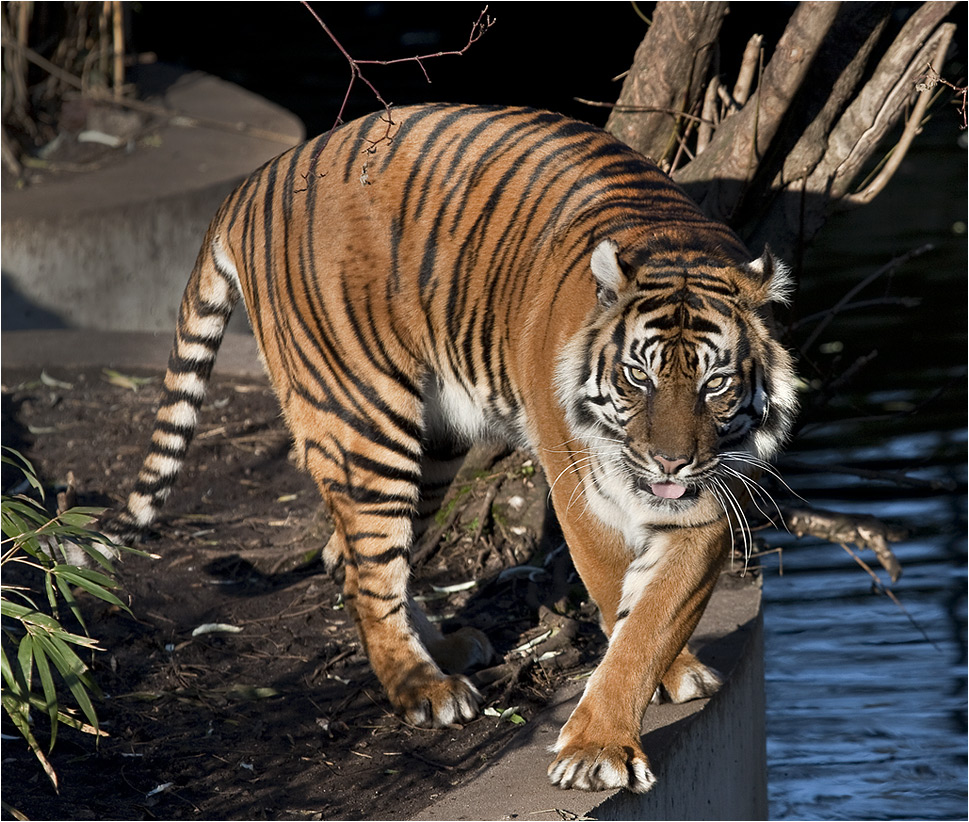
538 54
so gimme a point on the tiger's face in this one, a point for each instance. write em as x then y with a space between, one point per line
676 385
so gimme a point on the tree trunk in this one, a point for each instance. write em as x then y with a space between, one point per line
775 160
669 72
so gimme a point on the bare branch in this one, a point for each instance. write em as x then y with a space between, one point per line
877 108
890 266
912 127
855 529
480 26
749 66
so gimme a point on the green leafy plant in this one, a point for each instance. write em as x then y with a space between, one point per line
35 644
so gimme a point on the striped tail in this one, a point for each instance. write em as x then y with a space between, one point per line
207 304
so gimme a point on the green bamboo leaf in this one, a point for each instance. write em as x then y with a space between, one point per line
24 505
10 591
77 517
47 626
15 523
19 461
50 694
83 577
87 510
24 727
51 596
68 663
96 590
64 587
27 615
82 540
6 669
17 708
74 673
25 659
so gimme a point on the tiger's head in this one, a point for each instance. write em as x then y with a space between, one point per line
676 385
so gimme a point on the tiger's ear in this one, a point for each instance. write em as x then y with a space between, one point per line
772 279
606 268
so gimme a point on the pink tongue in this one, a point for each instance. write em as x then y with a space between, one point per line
667 490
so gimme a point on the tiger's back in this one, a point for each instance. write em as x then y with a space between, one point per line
420 284
435 243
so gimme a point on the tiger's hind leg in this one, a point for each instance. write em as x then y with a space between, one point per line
371 485
687 679
465 648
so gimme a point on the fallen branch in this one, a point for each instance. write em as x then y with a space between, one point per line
855 529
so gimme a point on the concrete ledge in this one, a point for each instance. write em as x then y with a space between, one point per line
113 248
709 756
76 348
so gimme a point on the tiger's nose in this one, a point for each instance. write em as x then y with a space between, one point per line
671 464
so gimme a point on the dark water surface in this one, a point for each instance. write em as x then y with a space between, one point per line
866 701
866 712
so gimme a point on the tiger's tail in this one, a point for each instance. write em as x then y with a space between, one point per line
210 295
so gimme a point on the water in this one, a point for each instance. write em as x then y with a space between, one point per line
866 713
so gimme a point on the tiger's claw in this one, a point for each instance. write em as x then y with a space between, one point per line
601 768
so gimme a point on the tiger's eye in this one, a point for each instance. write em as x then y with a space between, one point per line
638 377
716 383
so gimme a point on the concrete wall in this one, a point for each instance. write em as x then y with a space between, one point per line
709 756
112 248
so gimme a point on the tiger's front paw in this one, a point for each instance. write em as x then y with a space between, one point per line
438 701
602 766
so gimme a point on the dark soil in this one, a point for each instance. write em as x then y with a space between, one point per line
283 719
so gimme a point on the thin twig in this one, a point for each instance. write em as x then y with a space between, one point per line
881 589
673 112
890 266
480 26
932 78
894 477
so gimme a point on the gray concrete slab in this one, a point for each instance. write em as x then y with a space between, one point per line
112 248
709 756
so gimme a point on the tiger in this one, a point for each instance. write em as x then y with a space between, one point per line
430 276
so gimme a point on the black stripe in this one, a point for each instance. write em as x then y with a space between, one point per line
383 558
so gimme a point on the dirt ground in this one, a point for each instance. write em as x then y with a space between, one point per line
281 719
